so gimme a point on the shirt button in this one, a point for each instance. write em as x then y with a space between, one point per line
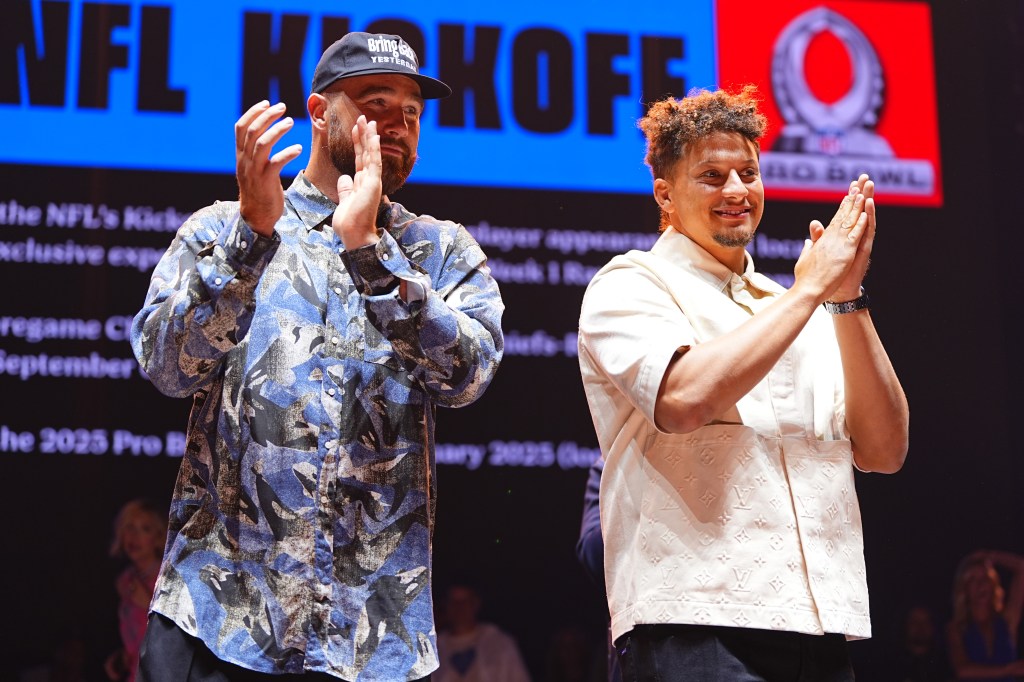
337 290
324 499
334 340
243 244
330 391
383 256
217 281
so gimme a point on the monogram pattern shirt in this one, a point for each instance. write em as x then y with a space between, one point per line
751 520
302 515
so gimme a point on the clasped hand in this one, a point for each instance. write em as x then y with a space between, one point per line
835 258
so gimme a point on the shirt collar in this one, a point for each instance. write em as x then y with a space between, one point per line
315 209
682 251
312 206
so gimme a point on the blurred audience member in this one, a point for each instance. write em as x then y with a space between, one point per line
471 650
140 531
590 550
590 546
68 660
570 658
921 657
982 636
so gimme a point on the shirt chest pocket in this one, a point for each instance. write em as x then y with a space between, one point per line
377 349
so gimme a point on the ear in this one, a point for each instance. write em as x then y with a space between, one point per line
316 107
663 195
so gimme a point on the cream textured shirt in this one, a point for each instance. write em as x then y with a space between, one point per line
751 521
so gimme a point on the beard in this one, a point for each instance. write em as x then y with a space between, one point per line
394 172
732 240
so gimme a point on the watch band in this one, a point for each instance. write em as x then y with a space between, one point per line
859 303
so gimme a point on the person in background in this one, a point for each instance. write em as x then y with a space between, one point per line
920 657
590 549
140 531
982 635
590 545
471 650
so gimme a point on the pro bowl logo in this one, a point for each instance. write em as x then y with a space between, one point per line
848 88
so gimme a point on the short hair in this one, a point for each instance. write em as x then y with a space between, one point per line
671 124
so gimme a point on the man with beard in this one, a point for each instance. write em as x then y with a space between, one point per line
730 412
316 329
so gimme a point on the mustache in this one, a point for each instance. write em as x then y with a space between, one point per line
398 143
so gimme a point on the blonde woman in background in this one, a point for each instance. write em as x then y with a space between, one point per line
982 635
140 531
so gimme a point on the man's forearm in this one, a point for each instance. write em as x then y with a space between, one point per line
877 414
711 377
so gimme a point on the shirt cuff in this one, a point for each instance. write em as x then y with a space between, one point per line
366 267
244 248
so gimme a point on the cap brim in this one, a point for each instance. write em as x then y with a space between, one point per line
430 88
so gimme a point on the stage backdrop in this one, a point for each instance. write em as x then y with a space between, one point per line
117 125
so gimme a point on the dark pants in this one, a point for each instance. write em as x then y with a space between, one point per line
696 653
170 655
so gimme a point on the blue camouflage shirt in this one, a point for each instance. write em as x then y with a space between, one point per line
302 515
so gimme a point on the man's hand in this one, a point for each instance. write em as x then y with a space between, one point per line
849 288
835 259
260 196
359 197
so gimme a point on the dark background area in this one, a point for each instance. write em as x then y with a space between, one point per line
945 290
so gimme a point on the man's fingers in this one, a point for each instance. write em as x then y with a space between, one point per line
284 157
371 145
857 229
357 141
259 123
366 145
868 240
359 195
242 124
270 137
345 196
257 127
868 188
845 206
854 213
815 230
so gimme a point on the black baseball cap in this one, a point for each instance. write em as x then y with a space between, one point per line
364 54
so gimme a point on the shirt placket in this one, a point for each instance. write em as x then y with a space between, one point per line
781 377
339 286
803 490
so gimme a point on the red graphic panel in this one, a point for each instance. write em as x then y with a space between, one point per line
846 86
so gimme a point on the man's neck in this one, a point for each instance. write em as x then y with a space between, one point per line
732 257
324 179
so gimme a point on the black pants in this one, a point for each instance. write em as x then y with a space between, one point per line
170 655
696 653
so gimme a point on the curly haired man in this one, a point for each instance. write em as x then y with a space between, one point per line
731 413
